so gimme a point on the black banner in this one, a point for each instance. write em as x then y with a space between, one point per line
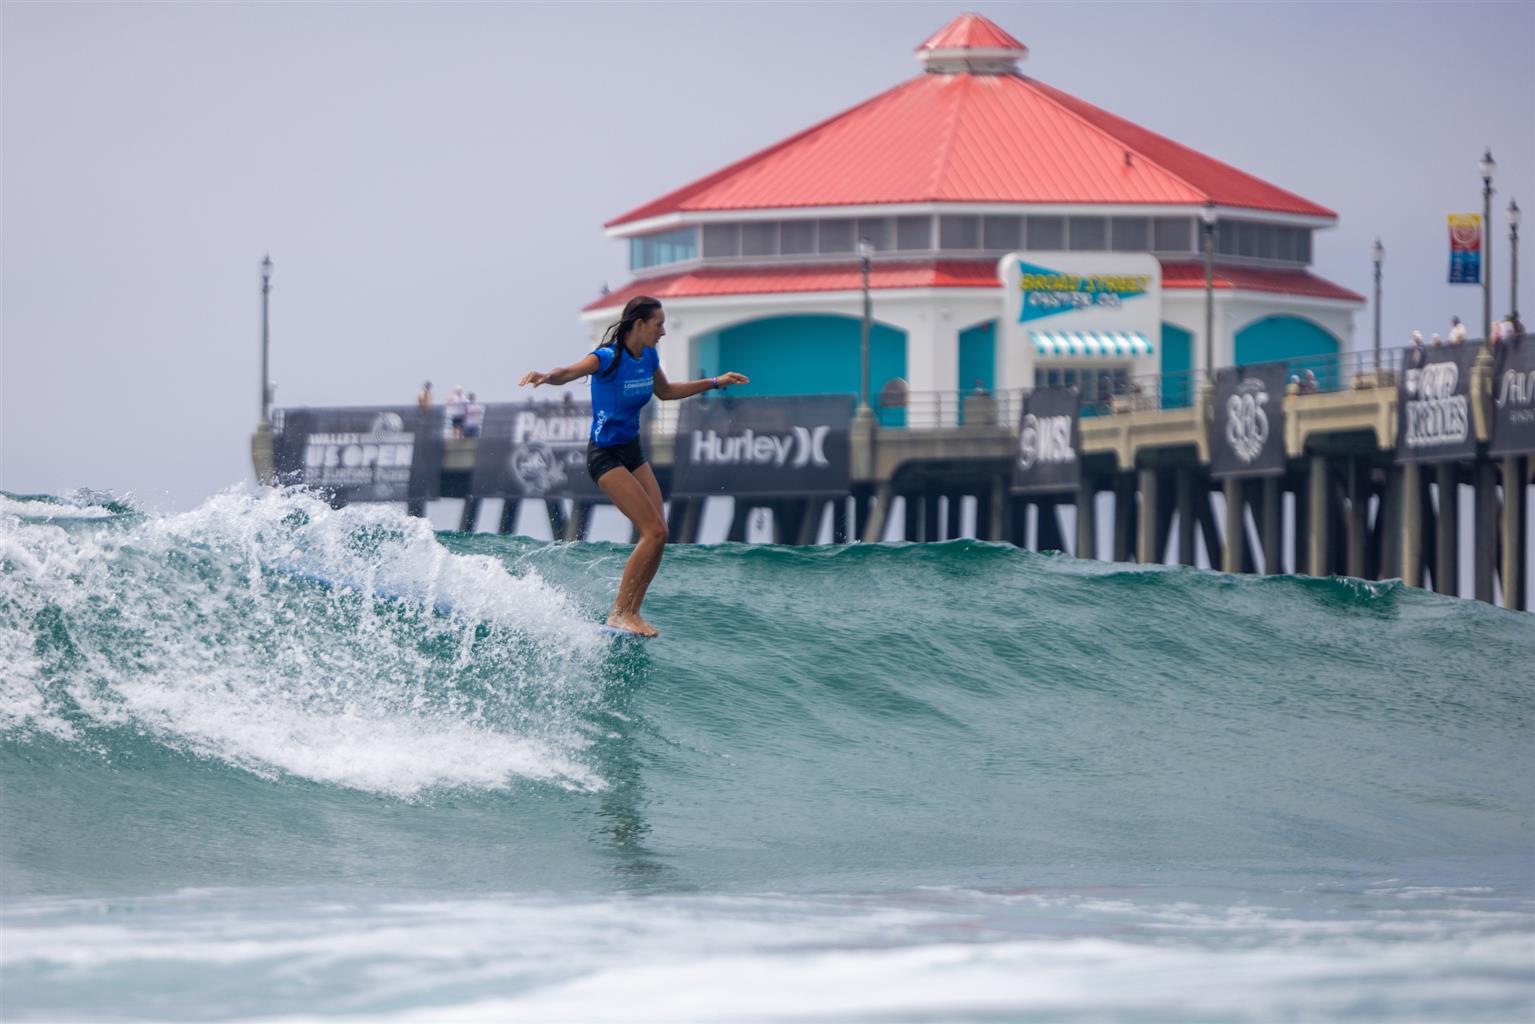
392 453
534 450
1247 435
1049 441
1434 405
764 447
1513 398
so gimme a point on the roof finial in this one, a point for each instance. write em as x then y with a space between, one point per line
971 44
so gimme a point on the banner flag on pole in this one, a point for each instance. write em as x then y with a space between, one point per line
1465 248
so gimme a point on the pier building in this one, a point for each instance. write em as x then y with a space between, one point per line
760 269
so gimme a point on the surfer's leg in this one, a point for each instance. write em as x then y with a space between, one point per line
647 480
632 499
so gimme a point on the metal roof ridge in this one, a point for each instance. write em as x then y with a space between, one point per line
951 131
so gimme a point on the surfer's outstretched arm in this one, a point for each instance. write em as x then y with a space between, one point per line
561 374
669 392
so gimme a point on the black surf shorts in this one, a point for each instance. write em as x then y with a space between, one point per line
600 460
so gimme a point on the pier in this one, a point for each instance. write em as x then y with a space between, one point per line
1342 503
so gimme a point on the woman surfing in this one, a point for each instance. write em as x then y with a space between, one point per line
625 371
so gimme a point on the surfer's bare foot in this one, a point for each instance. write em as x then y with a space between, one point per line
633 623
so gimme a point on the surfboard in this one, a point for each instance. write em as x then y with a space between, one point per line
613 632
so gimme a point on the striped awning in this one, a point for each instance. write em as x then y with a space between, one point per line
1088 343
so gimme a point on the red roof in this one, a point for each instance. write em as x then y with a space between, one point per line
974 138
1282 282
812 278
736 281
971 32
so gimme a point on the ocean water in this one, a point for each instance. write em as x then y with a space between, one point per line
270 761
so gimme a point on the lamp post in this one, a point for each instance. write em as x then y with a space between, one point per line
1513 256
266 290
865 253
1488 167
1378 256
1207 218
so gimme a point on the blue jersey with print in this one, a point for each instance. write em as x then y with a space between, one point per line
618 397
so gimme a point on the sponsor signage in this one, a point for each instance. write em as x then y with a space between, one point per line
1049 441
1093 300
1247 436
1513 399
372 454
764 447
1465 248
1434 405
534 450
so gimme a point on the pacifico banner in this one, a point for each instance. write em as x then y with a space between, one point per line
1434 405
1465 248
1247 437
360 454
534 450
1049 441
764 447
1513 399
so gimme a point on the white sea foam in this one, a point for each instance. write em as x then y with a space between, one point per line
195 629
958 956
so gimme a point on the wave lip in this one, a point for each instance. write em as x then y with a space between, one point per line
414 668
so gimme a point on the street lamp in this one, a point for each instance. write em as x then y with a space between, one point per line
1207 216
266 290
1513 257
1378 255
1488 167
865 254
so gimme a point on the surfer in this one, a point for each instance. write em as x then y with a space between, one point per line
625 371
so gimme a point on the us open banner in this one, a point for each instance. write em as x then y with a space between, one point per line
1465 248
1434 405
1247 437
1513 399
1049 441
360 454
533 450
764 447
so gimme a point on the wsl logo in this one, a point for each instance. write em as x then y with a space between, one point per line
1045 441
805 447
536 469
1247 422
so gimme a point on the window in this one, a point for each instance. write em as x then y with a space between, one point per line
914 233
1173 234
1002 233
1289 239
1226 238
1130 234
1303 246
797 237
1047 232
1247 238
959 231
665 247
759 238
877 231
1088 234
836 236
722 240
1268 241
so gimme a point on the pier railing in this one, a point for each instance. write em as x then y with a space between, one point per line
978 407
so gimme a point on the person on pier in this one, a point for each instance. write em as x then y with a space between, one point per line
625 371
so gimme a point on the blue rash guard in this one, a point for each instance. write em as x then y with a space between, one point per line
618 397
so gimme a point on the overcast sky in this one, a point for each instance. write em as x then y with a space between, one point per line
431 180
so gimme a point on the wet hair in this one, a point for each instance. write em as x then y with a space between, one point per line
641 307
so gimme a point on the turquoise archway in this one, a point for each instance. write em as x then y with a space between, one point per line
803 354
1292 340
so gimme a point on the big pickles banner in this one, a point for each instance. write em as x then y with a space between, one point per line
1049 441
1465 248
1247 437
360 454
534 450
1513 398
790 446
1434 405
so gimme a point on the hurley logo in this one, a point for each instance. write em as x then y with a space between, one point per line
807 445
